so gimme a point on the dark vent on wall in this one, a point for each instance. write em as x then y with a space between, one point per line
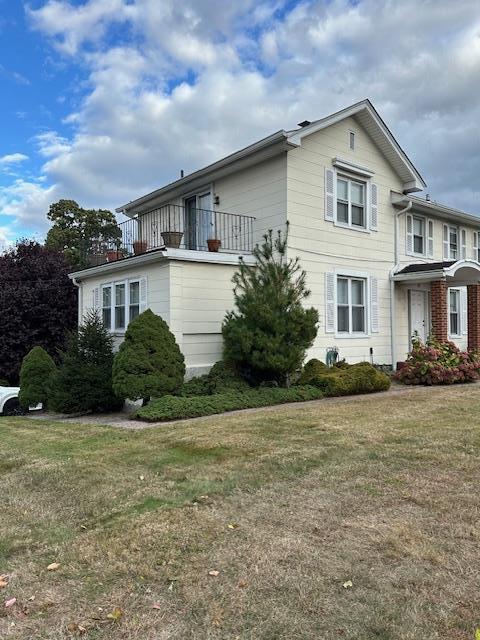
305 123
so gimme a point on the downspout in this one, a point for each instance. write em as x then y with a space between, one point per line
392 285
80 299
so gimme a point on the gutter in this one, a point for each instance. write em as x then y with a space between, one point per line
393 326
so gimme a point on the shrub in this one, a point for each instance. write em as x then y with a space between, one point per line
149 362
311 370
35 378
267 336
221 377
438 363
177 407
350 379
83 380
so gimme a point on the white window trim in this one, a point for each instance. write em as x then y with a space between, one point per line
127 282
459 313
339 175
361 275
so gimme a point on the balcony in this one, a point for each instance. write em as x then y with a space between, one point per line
178 227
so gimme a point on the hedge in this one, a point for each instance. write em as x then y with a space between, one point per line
177 407
345 380
222 377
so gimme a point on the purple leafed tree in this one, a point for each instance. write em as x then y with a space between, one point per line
38 304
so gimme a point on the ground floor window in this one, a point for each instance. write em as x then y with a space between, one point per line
351 308
454 312
120 304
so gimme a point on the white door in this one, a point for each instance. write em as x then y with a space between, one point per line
418 314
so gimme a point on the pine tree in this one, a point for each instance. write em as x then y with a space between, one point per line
149 362
83 381
35 377
267 336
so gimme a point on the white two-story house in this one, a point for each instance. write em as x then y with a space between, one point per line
382 264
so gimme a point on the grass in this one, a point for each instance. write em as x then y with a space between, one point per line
381 491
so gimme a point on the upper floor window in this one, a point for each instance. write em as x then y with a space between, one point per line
419 236
120 304
351 309
351 202
454 242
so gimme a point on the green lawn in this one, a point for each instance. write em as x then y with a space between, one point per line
288 505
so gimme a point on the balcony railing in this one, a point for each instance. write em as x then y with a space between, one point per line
178 227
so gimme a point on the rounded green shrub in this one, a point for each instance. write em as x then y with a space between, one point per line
35 378
149 363
311 370
222 377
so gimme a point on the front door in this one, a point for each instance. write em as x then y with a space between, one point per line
418 314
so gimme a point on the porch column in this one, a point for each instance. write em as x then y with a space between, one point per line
473 316
439 311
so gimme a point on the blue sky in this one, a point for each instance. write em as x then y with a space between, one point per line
104 100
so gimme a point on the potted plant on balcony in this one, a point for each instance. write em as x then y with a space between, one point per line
172 239
117 253
139 247
214 244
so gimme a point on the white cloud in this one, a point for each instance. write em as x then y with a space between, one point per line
188 83
13 158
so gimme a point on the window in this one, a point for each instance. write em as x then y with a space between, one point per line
351 310
351 140
351 202
120 304
418 226
454 312
453 242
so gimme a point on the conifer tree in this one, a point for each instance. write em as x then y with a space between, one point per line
149 362
83 381
266 337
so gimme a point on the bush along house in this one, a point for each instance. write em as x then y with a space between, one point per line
382 264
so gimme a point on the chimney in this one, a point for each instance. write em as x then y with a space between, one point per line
181 173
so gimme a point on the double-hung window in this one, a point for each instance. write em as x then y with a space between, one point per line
454 312
120 304
453 242
418 230
351 209
351 308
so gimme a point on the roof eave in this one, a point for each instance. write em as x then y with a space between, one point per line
278 139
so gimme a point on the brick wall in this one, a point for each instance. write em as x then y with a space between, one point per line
473 293
438 299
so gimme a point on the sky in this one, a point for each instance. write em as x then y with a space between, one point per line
102 101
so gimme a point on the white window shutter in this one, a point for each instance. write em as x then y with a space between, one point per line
429 238
463 244
464 311
143 294
330 196
96 299
446 247
329 302
373 207
374 304
409 235
475 245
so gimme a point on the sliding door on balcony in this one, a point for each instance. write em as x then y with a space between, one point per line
199 221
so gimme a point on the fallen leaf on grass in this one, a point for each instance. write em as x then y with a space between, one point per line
73 627
116 614
53 566
3 581
141 477
213 573
155 605
232 525
242 584
348 584
10 603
